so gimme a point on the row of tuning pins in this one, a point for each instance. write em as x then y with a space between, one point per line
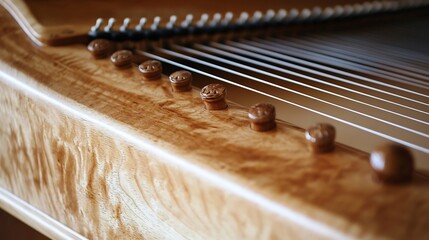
244 19
203 21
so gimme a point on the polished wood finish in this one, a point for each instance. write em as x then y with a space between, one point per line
114 157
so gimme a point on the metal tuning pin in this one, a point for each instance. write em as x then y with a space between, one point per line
377 6
243 18
227 19
141 24
348 10
139 33
280 16
391 6
338 11
97 25
269 16
95 32
357 9
305 14
155 24
241 24
203 20
385 6
327 13
214 26
154 33
186 28
125 25
172 22
109 26
187 22
367 8
170 31
224 26
316 12
256 24
199 31
293 15
256 18
217 17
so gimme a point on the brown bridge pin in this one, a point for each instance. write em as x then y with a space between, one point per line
262 117
100 48
181 81
122 58
151 70
321 137
213 96
392 163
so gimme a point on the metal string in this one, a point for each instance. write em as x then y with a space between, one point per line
199 53
368 59
346 64
389 50
171 53
254 46
259 63
298 67
383 57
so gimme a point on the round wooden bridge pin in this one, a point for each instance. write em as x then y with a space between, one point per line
100 48
262 117
122 58
392 163
321 137
213 96
151 70
181 81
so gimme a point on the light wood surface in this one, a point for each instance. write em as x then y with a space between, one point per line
113 157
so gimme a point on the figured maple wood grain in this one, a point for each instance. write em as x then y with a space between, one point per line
112 156
111 190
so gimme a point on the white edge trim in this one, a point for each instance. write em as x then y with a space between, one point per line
35 218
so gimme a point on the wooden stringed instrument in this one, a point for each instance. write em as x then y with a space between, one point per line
89 150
